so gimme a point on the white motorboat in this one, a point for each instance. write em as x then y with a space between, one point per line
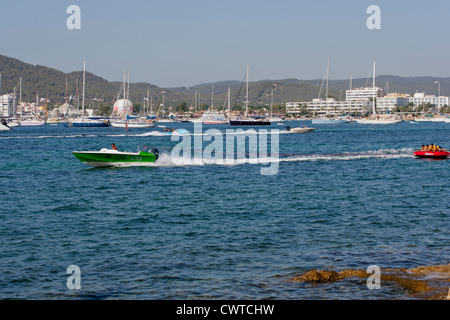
301 129
4 127
378 121
13 123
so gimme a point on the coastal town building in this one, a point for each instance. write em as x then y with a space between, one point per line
363 94
8 104
64 109
391 101
420 98
357 101
329 107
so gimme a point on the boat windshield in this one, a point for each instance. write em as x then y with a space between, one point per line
145 149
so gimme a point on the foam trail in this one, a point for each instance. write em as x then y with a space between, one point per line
166 160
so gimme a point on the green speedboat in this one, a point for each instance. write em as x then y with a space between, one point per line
113 158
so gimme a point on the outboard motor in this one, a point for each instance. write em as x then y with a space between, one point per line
155 152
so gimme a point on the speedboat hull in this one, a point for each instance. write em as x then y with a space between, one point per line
109 158
4 127
301 130
432 154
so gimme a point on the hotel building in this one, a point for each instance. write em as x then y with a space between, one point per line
8 103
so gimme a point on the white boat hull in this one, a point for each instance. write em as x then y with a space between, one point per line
32 123
301 130
215 122
375 121
132 125
329 121
4 128
13 124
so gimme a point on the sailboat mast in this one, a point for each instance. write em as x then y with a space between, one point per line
271 103
196 103
20 94
84 81
246 96
212 96
124 85
373 97
148 102
151 105
328 70
46 110
229 102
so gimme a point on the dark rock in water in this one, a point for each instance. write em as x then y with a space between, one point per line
319 276
430 282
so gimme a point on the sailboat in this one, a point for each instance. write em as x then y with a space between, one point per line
246 121
211 115
86 122
375 119
273 118
35 120
132 121
325 119
136 121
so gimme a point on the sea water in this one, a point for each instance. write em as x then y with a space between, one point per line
344 197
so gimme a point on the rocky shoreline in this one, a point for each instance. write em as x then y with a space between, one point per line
425 283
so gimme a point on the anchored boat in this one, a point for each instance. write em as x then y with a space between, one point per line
110 158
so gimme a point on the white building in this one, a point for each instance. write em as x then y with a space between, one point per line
420 98
8 104
363 94
329 107
391 101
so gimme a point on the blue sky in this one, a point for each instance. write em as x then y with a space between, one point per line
186 42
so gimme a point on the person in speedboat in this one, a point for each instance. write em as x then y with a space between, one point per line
114 147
